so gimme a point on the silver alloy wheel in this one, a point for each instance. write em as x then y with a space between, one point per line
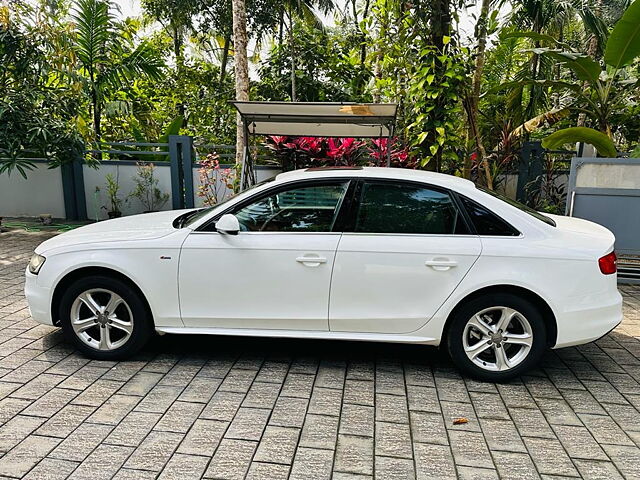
497 338
101 319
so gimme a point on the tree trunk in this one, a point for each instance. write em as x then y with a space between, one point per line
377 68
241 68
281 27
292 47
97 113
177 51
225 57
473 104
440 23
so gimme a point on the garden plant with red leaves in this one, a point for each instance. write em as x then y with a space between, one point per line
301 152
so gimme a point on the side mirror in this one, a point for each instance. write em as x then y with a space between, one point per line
228 225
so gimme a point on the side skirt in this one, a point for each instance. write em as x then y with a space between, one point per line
321 335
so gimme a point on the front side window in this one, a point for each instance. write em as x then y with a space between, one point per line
407 208
312 208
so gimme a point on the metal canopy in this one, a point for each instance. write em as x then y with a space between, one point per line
313 119
364 120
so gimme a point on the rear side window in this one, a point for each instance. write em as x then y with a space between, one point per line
487 222
407 208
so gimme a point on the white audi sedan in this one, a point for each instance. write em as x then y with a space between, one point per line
375 254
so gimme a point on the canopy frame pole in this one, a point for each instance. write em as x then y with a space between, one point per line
389 136
246 171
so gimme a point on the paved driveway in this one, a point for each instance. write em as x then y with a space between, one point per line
267 409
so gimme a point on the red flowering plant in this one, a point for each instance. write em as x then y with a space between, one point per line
285 149
311 150
299 152
344 151
215 182
378 153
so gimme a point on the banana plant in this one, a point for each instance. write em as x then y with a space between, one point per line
599 91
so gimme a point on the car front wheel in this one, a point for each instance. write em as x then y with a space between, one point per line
496 337
105 318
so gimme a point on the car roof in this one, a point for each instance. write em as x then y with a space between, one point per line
440 179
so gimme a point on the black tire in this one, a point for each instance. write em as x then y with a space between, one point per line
456 332
142 322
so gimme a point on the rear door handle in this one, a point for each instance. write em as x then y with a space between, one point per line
441 264
311 261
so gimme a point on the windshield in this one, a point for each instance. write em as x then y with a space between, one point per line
190 218
520 206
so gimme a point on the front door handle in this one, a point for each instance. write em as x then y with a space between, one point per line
441 264
311 261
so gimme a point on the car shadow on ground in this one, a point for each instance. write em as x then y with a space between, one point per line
210 346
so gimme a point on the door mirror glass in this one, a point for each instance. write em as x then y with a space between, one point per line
228 224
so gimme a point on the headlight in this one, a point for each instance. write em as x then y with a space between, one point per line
36 262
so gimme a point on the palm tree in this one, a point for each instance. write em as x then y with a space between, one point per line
106 57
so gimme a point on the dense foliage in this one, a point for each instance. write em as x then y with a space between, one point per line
73 72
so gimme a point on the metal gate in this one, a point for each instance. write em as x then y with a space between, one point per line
607 191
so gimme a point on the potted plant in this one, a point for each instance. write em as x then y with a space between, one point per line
113 188
146 190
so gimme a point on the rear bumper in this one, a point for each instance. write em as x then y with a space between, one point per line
38 298
589 324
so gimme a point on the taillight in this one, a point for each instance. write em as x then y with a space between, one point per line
607 263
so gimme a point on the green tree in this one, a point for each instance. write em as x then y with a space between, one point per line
106 56
36 116
598 93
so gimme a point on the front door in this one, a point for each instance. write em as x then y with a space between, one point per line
275 274
409 249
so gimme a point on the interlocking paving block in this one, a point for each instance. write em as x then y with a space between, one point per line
232 459
434 461
204 437
103 463
154 451
393 440
51 469
278 445
268 471
319 431
26 454
597 470
133 429
182 467
325 401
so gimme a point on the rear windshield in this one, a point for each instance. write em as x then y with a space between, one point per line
520 206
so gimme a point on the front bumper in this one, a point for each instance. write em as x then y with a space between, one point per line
38 298
589 324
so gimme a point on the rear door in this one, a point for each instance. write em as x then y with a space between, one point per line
408 248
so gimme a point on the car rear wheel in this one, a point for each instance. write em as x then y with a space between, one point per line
105 318
496 337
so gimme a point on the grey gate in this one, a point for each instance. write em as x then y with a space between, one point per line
607 191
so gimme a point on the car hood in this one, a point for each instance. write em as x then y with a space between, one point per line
145 226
